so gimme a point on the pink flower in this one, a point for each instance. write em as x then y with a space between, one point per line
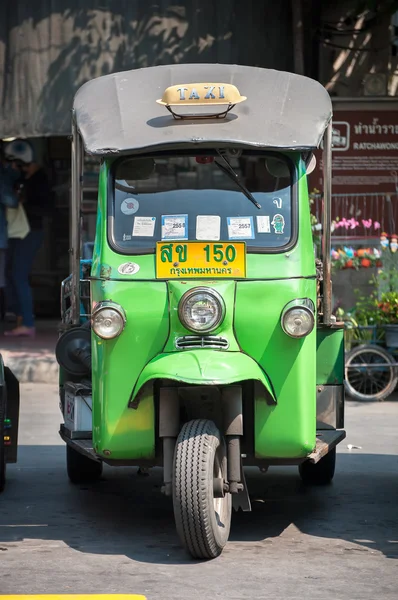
344 223
376 225
367 223
353 223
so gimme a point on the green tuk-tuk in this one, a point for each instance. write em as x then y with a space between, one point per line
200 337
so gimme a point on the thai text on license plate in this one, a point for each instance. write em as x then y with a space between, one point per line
178 260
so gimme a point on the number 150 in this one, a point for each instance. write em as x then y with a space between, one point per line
219 253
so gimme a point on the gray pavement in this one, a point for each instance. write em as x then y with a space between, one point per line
118 536
32 360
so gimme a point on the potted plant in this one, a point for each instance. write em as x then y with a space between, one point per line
388 274
387 315
361 323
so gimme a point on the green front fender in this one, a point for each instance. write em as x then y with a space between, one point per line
204 367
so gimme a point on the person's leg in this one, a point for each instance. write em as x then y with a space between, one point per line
2 283
12 307
24 255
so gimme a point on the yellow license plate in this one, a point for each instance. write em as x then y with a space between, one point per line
181 260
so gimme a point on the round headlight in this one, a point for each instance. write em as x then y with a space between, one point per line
108 321
298 321
201 310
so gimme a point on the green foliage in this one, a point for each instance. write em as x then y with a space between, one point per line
365 323
387 308
388 275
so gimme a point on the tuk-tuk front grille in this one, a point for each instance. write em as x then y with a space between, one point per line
201 341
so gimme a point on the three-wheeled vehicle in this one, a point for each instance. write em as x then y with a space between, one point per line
9 420
200 336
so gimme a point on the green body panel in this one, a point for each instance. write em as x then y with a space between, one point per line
118 363
177 289
288 428
204 367
258 347
329 356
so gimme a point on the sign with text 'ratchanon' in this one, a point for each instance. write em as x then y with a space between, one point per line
365 153
364 170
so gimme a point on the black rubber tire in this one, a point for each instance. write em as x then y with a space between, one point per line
370 384
80 468
320 473
203 522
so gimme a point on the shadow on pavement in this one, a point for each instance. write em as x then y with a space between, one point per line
125 514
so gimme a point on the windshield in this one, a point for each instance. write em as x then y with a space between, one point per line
186 197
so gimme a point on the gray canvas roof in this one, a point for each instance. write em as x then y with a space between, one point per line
119 113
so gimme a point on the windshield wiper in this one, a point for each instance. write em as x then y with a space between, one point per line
228 170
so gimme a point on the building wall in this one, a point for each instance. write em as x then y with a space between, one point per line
49 48
355 44
357 63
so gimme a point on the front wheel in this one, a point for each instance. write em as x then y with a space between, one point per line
80 468
203 521
320 473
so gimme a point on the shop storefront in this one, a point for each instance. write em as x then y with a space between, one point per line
365 190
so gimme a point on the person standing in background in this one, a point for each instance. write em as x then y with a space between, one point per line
22 252
8 199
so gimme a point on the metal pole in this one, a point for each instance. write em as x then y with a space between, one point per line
326 225
77 157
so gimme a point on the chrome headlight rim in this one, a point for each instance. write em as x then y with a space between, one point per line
304 304
108 305
214 295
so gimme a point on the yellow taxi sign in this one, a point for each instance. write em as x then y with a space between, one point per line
201 94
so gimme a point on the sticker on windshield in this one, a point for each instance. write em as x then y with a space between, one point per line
263 224
128 268
277 202
240 228
208 227
174 227
144 226
129 206
278 223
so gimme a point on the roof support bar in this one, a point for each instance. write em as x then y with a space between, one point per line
77 163
326 225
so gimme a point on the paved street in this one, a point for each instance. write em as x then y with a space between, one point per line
333 543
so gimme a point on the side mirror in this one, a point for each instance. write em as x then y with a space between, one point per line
311 164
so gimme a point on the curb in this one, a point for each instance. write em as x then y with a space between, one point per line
32 367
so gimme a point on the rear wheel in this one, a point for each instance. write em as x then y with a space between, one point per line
80 468
370 373
203 521
320 473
